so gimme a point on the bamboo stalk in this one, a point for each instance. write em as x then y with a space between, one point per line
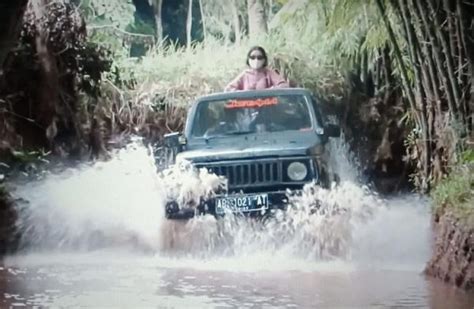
466 39
430 103
448 55
461 66
416 62
423 12
467 42
413 47
388 85
429 77
378 76
468 47
423 37
398 55
451 28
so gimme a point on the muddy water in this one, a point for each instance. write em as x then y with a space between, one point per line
95 237
124 280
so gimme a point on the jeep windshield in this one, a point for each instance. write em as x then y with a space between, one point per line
241 116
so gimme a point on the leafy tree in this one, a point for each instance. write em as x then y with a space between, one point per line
117 14
108 21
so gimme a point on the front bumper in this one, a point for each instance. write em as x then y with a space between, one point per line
173 211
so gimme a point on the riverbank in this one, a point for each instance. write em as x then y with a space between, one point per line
453 225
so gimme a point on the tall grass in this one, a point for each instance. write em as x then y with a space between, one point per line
180 75
456 192
313 46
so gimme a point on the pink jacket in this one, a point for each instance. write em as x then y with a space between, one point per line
257 79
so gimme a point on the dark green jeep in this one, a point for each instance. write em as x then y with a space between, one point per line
263 142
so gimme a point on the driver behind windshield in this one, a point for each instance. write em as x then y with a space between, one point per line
234 121
255 116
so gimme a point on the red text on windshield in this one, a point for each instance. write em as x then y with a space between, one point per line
257 103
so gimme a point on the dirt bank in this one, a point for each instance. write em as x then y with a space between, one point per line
453 253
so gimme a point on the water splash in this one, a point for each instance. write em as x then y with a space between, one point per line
93 205
121 202
187 186
319 224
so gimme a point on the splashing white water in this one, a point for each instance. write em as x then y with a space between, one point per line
121 202
103 202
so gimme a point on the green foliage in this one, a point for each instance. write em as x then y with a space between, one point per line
207 67
3 192
183 74
28 157
106 21
117 13
46 104
339 32
456 192
78 59
301 46
467 156
141 27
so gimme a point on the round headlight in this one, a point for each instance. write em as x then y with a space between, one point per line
297 171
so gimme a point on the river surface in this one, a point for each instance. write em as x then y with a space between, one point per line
95 237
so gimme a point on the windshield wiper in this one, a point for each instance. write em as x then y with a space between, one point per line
211 137
240 132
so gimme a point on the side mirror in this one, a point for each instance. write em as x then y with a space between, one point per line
332 130
175 140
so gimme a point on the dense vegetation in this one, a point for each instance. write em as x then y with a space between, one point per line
455 192
80 76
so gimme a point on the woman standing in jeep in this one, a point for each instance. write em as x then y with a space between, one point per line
258 75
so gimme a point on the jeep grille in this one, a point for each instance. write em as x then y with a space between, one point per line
243 174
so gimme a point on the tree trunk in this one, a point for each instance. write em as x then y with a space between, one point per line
203 20
157 10
270 10
257 18
235 21
11 14
189 24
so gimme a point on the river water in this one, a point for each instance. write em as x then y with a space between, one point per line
95 237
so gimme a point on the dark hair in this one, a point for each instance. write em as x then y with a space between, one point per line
260 49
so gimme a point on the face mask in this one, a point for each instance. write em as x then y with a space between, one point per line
256 63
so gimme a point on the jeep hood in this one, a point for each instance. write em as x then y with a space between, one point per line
250 146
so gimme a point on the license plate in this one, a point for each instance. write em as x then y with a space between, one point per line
242 203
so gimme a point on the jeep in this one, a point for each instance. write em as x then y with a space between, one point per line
264 142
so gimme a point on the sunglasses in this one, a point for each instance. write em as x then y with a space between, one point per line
259 57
